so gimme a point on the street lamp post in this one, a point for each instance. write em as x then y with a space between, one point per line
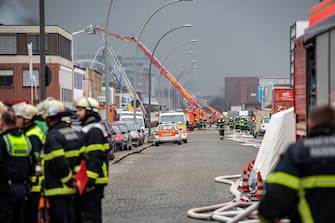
184 72
150 65
165 59
106 63
177 77
139 38
159 78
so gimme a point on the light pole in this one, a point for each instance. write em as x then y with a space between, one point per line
150 65
169 91
165 59
184 72
139 38
106 63
159 78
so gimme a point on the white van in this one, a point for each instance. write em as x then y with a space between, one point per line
178 118
128 116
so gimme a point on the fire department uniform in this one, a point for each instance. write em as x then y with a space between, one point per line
305 176
37 139
15 169
96 150
221 127
61 145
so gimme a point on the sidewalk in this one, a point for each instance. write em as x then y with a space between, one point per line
120 155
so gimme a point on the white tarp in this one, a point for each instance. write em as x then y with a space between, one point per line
279 135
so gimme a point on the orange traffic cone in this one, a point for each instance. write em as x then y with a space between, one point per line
245 181
250 167
259 187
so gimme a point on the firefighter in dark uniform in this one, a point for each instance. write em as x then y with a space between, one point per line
61 157
16 167
25 114
305 174
231 124
96 150
221 127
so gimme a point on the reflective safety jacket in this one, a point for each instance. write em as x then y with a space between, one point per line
61 156
37 139
15 157
221 125
302 186
96 149
231 122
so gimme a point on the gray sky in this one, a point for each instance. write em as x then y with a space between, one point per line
236 37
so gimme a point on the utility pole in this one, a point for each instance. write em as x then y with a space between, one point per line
42 52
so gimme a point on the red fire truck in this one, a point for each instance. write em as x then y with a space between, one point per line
314 82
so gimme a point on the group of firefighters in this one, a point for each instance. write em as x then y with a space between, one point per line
240 124
40 158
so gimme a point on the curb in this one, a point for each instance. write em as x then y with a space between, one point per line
130 153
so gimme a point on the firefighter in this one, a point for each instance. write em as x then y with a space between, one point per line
25 115
16 167
231 124
306 175
96 150
221 127
242 124
61 157
237 124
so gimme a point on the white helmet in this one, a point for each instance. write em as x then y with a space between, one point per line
90 104
25 111
54 108
43 105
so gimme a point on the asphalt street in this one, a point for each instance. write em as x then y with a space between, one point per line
160 184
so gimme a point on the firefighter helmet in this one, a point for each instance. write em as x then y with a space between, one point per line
25 111
43 105
88 103
54 108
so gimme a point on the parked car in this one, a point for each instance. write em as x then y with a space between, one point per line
120 142
264 125
111 139
126 135
165 133
134 132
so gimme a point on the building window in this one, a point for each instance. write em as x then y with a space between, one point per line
7 44
6 78
67 95
35 40
26 78
64 48
78 80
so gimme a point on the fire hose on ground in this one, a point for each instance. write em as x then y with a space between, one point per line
234 211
